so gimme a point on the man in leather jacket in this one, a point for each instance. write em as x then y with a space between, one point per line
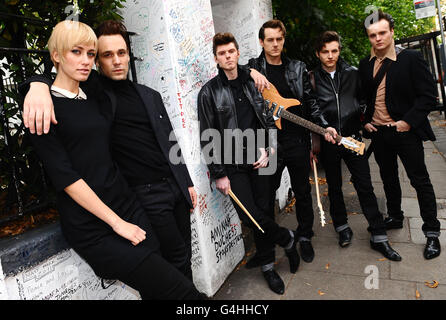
231 102
290 77
337 86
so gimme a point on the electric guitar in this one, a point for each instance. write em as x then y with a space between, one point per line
279 107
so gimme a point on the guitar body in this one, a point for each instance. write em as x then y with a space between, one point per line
280 104
273 95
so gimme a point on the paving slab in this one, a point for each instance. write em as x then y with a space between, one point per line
414 267
309 285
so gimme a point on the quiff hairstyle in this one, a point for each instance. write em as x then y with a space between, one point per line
222 39
383 16
273 24
326 37
67 34
112 27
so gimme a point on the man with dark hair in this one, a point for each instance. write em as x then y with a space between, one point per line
290 77
140 142
400 92
336 81
230 101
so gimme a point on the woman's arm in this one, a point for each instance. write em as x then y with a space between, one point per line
58 165
80 192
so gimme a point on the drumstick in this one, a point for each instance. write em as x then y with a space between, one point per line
244 209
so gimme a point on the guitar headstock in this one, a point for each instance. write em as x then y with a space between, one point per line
353 145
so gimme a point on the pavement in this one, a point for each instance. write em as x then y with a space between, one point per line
358 272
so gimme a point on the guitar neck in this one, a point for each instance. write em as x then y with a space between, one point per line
305 123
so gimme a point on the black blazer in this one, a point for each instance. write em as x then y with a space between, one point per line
411 92
162 128
157 115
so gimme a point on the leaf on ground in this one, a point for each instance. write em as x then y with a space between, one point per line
320 292
433 284
417 294
327 266
382 259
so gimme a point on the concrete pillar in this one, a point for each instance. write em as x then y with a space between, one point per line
175 43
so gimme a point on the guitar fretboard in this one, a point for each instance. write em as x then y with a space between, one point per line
305 123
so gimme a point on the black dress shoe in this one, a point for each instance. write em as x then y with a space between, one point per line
275 283
345 237
392 223
386 250
293 256
432 248
306 251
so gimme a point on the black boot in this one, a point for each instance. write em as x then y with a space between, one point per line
345 237
306 250
432 248
386 250
275 283
392 223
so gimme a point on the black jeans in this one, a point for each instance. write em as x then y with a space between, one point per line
169 215
296 157
253 191
388 144
330 157
157 279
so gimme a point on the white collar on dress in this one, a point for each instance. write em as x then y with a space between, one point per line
59 92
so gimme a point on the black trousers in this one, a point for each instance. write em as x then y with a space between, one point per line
157 279
253 191
330 157
390 144
296 157
169 216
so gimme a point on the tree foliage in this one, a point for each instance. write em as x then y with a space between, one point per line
306 19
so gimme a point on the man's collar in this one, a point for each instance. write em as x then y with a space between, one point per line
390 54
241 74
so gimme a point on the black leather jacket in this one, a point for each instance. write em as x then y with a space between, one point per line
297 78
340 98
216 110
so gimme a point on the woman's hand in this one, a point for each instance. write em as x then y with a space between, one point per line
129 231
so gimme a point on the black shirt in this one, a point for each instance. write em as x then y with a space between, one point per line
276 75
134 144
246 117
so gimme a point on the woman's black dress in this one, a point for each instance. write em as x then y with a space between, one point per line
78 148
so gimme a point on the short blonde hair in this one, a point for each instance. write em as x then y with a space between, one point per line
67 34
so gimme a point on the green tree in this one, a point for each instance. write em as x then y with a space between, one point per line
306 19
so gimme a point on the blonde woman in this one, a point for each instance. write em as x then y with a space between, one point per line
100 216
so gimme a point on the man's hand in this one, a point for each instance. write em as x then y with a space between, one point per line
370 127
259 79
330 135
38 109
401 126
263 160
223 185
193 196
